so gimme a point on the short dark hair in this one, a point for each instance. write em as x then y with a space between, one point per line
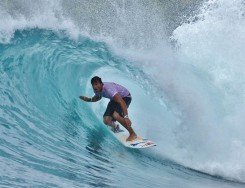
96 79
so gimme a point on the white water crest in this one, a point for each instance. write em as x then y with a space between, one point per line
213 43
194 65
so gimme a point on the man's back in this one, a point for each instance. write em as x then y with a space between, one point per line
110 89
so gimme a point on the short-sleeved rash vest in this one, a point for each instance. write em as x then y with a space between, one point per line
110 89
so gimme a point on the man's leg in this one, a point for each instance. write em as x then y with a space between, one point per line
109 122
107 117
121 120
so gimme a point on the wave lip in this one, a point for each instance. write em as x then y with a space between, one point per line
202 88
21 15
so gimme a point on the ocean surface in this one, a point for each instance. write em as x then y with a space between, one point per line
182 61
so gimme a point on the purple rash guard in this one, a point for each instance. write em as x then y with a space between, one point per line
110 89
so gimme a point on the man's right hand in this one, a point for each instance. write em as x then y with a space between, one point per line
83 98
92 99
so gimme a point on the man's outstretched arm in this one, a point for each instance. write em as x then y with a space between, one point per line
87 99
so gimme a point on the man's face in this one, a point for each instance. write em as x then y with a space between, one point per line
97 86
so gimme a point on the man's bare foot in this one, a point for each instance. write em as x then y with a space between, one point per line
131 137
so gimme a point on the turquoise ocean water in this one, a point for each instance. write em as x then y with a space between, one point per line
183 62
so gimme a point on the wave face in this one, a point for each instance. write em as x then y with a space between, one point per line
181 61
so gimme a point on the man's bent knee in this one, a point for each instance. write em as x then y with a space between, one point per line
107 120
116 115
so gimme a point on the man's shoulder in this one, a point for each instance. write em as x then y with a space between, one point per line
109 84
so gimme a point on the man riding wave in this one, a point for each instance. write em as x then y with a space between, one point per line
120 99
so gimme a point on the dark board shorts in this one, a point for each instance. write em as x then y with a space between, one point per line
114 106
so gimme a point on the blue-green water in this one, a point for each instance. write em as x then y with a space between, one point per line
187 95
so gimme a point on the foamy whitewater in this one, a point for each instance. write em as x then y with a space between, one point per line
182 61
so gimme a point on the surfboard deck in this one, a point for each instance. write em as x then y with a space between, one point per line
138 143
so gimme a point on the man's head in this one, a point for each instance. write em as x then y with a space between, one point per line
97 83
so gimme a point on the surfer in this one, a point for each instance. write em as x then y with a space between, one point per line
116 110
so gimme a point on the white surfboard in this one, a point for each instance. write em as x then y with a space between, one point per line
138 143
